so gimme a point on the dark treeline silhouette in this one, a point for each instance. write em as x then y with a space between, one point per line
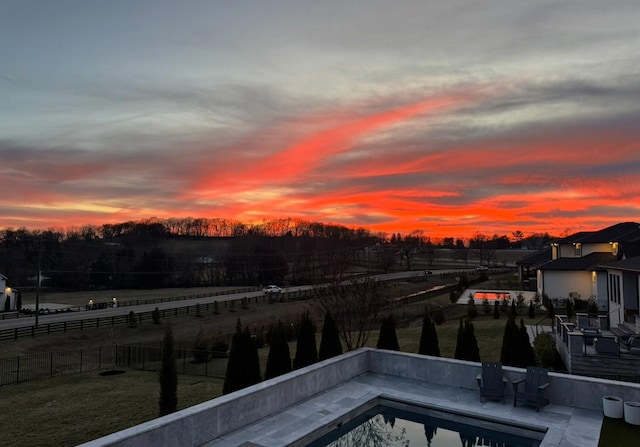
157 253
188 252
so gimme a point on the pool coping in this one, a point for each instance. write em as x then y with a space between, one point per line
298 425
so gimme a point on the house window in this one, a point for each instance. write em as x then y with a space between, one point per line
577 249
615 292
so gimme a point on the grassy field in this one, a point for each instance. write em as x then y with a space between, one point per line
67 411
78 299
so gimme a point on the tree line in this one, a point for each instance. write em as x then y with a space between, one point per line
188 252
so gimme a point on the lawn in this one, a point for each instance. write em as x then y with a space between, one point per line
617 433
67 411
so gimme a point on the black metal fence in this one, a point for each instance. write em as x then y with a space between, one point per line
85 321
125 303
53 364
14 370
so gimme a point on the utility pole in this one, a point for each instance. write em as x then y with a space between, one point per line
38 280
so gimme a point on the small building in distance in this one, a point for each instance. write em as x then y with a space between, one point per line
9 298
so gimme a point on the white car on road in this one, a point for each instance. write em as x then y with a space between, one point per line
272 289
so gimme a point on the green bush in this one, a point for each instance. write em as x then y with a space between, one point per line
200 350
155 316
437 315
545 349
219 347
486 307
472 311
131 319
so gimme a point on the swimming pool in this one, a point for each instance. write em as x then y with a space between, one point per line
394 424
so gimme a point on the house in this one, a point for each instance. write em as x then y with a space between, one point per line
623 281
8 297
528 268
575 267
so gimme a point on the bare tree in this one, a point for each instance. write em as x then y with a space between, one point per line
375 432
462 254
354 304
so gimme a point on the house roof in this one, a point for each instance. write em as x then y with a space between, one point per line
536 258
631 265
2 276
592 261
621 232
575 237
630 249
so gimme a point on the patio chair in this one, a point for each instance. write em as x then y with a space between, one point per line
535 385
632 344
491 381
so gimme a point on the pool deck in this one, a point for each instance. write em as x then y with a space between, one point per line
566 426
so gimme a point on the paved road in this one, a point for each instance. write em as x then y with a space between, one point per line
119 311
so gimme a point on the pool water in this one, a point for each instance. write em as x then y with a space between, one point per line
390 427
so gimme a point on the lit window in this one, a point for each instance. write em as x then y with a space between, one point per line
578 249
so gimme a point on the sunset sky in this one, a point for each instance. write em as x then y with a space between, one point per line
447 116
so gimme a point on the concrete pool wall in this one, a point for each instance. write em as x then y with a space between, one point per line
205 422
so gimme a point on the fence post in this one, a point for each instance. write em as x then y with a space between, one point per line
51 364
18 369
81 360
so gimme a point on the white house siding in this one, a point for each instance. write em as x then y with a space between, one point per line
558 284
587 249
3 288
569 250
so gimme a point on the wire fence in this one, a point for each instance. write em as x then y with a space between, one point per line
15 370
